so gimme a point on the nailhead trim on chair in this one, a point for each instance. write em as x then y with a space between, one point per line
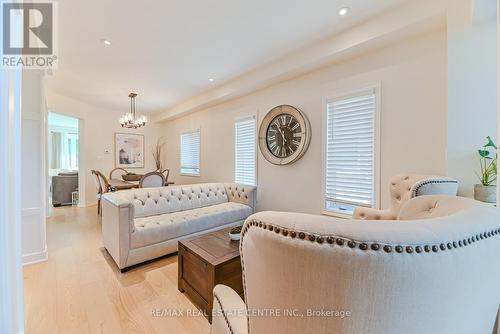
224 314
374 246
340 241
414 193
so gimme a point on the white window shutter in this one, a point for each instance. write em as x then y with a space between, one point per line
350 152
190 153
245 151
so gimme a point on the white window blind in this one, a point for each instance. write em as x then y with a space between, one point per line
190 153
350 152
245 151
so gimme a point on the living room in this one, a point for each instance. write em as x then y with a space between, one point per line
263 167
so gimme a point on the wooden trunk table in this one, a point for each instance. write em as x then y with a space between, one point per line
205 261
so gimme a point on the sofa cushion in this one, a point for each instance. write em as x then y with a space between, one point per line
154 229
157 201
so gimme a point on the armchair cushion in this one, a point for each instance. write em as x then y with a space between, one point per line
403 187
425 207
230 312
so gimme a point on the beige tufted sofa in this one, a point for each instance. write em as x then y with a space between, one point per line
406 186
435 271
143 224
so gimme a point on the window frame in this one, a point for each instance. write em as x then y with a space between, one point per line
199 153
256 144
376 88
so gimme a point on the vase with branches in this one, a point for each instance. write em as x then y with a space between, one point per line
488 159
158 154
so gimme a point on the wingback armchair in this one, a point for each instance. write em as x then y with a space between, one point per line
436 271
406 186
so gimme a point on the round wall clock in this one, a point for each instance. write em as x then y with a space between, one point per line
284 135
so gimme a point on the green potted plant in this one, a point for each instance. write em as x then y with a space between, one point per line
488 159
235 232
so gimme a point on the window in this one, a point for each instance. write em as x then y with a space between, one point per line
350 146
190 153
245 151
63 150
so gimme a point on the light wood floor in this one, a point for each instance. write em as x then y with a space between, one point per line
80 290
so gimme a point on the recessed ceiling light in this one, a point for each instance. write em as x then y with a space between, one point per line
106 42
343 11
211 79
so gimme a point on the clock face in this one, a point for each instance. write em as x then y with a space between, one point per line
284 135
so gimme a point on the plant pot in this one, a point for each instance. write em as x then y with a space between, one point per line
486 194
235 236
131 177
235 233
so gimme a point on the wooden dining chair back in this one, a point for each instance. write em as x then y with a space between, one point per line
115 170
98 188
104 182
152 180
165 173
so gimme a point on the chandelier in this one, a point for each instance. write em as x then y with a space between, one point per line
130 120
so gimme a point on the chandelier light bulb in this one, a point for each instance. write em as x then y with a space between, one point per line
130 119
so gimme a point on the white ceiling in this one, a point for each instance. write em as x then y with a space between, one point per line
166 50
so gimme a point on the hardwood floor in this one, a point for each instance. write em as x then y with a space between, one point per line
80 289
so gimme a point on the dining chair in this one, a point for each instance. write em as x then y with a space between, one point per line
152 180
98 190
104 182
114 170
165 173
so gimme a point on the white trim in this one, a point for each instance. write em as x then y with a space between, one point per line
11 279
83 204
36 257
335 214
190 175
376 88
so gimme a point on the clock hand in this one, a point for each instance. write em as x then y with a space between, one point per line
282 135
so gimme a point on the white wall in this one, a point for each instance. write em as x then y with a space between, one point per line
413 78
97 131
34 245
472 91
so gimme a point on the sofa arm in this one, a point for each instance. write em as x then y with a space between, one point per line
117 225
229 312
116 199
242 193
373 214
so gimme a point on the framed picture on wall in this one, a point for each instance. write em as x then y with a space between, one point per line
129 150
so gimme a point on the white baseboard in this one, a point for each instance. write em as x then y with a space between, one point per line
33 258
86 205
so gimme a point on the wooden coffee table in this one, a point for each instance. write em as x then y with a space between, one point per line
205 261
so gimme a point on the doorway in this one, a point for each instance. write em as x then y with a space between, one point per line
63 160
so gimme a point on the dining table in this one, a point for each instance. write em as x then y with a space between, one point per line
117 184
